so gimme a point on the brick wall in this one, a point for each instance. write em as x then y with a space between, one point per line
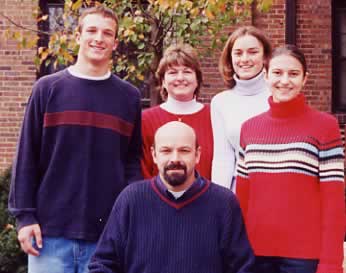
17 74
313 35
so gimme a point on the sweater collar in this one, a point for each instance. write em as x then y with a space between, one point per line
292 108
199 186
250 87
71 69
181 107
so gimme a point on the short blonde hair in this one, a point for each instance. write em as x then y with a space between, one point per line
101 10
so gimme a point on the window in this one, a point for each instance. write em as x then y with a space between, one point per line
339 56
55 10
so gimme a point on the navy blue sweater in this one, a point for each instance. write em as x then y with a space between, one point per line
79 146
149 231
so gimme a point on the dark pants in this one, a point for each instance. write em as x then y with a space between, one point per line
284 265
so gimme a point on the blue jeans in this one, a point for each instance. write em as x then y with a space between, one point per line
284 265
60 255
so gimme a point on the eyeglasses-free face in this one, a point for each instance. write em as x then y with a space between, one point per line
285 78
247 57
180 82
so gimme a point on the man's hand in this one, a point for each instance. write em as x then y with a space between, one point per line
25 235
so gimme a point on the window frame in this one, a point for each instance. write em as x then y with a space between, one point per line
337 59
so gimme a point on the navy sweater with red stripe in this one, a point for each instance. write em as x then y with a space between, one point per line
79 146
151 231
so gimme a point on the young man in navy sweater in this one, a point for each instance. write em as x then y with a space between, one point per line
79 147
177 222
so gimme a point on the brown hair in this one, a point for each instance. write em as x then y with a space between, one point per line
225 63
178 54
101 10
289 50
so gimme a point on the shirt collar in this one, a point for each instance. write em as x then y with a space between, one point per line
196 186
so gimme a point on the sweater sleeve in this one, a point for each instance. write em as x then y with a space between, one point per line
243 182
239 256
147 163
25 176
224 158
132 167
109 252
331 174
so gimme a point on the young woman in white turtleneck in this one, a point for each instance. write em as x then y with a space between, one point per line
241 66
180 77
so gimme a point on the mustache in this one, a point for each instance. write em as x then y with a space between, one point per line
175 166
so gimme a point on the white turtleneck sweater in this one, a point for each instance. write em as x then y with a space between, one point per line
229 109
177 107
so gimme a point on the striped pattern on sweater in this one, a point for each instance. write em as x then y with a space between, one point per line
290 184
295 157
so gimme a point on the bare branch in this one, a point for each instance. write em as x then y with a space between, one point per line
165 30
23 27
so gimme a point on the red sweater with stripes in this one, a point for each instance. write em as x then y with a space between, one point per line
155 117
291 184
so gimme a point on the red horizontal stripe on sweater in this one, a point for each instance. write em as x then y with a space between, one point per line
84 118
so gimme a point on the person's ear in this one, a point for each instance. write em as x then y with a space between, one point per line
198 154
305 78
116 43
153 154
77 36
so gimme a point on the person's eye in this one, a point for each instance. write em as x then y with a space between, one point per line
294 74
253 52
109 34
188 71
236 53
276 73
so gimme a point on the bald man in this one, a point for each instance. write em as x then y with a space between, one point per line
177 222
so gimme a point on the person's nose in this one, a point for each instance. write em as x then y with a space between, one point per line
175 156
244 57
98 36
180 76
284 78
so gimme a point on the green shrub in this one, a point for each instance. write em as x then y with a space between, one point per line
12 259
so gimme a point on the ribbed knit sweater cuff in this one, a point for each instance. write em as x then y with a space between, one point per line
25 219
329 268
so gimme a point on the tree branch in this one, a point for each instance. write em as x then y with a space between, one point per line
23 27
145 13
165 30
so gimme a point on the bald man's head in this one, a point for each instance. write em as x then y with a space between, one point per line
176 127
176 153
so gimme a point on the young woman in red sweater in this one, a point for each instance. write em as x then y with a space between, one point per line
291 177
179 79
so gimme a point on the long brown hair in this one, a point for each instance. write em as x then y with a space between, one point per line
225 62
